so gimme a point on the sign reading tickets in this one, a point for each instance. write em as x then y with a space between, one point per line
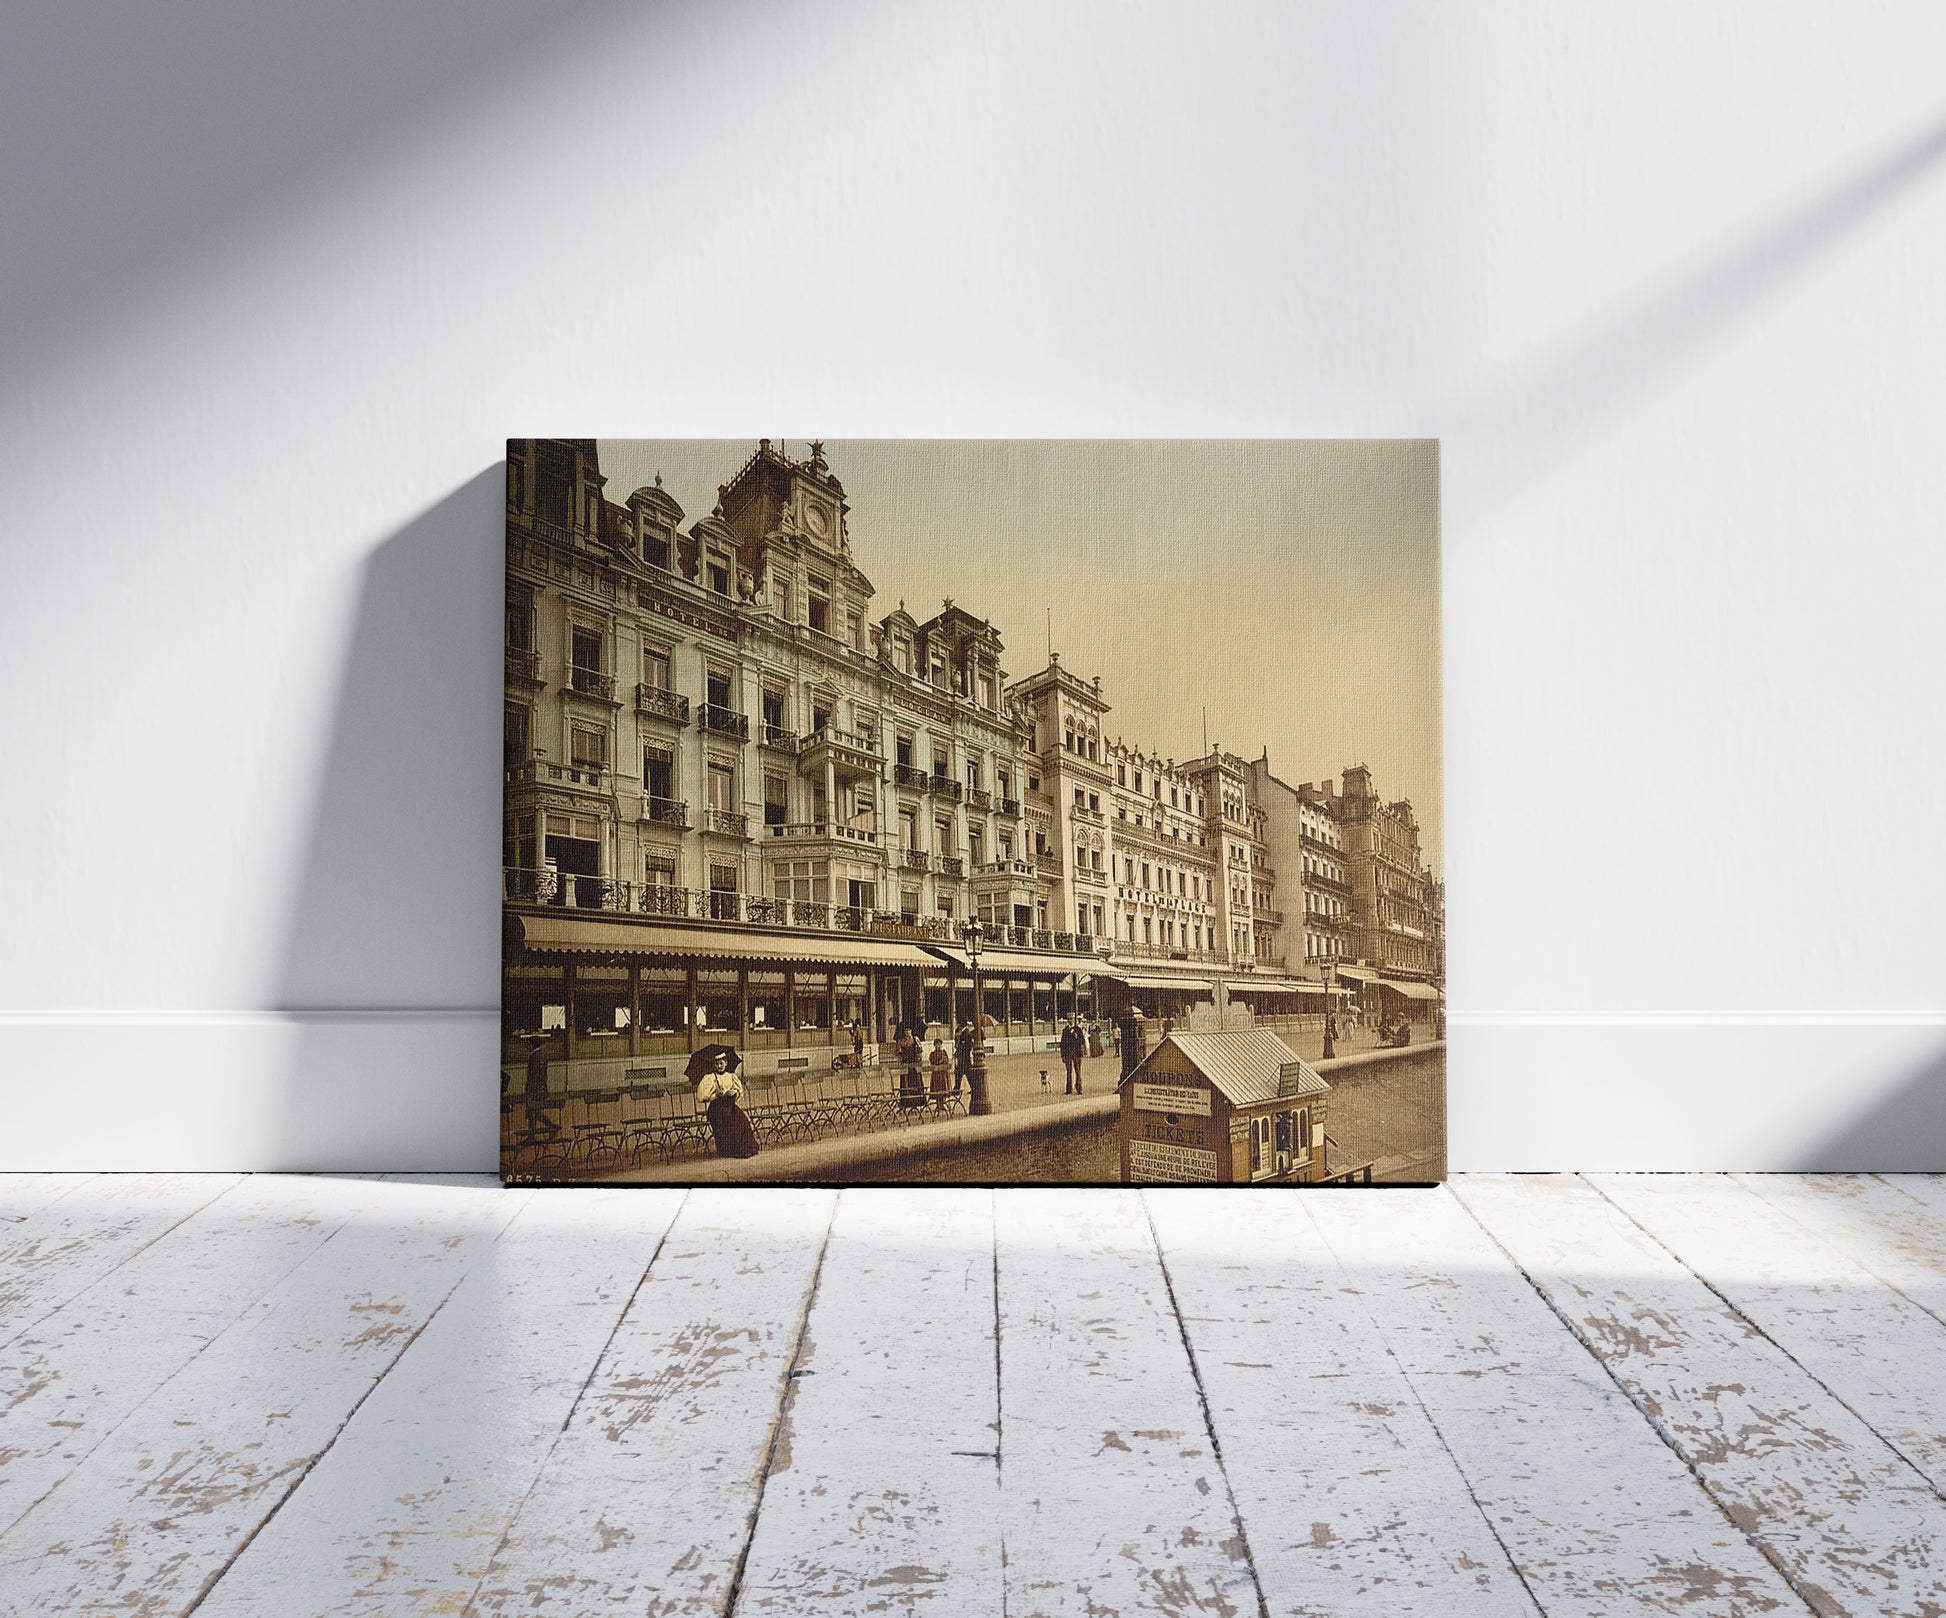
1154 1161
1171 1098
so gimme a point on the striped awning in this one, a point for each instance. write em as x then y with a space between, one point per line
575 935
1412 991
1188 985
1017 962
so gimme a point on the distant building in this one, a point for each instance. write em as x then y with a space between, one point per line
1165 862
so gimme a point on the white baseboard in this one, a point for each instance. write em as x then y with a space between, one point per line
406 1090
1697 1093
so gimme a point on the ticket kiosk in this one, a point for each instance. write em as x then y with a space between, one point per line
1223 1109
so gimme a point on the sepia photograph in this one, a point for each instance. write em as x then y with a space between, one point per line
983 812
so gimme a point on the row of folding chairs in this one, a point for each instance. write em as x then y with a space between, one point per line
604 1132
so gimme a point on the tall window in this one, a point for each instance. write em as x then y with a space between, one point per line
585 652
658 776
514 737
655 667
820 605
520 625
590 747
717 683
776 798
722 788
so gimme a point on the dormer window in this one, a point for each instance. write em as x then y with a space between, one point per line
719 576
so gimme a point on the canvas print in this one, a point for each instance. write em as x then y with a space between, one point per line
993 812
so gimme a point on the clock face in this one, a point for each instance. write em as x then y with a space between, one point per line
818 520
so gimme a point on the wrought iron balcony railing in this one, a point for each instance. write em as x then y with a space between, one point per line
724 721
661 702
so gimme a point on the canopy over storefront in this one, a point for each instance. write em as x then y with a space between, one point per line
573 935
1186 985
1411 991
1018 963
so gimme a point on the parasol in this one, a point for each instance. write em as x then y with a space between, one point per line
705 1059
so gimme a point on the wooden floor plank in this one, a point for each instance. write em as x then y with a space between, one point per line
1894 1224
884 1493
23 1194
156 1511
1850 1522
1112 1498
67 1244
72 1378
1871 1347
1351 1502
404 1512
646 1502
1595 1511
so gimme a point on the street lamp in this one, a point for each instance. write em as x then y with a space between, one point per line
978 1103
1330 1011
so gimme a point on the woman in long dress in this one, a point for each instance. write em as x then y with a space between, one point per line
720 1091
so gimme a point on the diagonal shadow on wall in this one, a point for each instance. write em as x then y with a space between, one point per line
1904 1134
391 961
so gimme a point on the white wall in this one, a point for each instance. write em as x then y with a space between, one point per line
1665 278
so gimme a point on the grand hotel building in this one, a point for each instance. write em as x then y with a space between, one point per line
738 806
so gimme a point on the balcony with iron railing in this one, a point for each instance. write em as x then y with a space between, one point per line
824 830
978 798
1313 879
524 665
949 864
561 890
589 682
778 738
1010 806
725 823
915 859
907 775
944 786
1128 949
665 811
662 703
722 721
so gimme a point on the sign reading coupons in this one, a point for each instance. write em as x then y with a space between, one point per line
1155 1161
1177 1098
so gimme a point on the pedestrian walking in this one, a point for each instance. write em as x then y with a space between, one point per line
1074 1045
535 1095
912 1088
963 1057
1094 1037
942 1070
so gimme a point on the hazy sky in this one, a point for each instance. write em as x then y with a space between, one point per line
1291 588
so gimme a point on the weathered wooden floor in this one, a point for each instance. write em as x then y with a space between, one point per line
1557 1395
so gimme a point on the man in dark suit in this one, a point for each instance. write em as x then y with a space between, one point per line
1074 1046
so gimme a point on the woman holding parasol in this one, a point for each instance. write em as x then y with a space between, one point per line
713 1070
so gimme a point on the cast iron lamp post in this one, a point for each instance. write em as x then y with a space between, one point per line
978 1103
